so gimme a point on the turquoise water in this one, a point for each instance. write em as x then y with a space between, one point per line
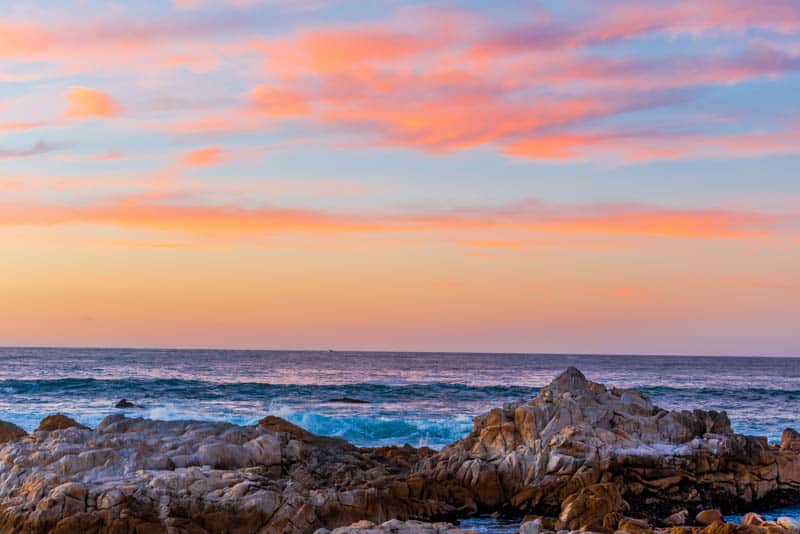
421 399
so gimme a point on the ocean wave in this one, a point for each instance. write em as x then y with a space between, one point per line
199 389
371 431
393 412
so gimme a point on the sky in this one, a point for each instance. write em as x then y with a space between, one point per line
579 176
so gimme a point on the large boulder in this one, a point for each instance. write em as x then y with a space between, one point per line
10 432
59 422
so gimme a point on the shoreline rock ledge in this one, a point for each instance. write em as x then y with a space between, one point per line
589 456
578 456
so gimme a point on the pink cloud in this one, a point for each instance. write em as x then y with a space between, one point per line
440 82
277 102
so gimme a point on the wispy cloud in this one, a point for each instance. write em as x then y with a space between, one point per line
36 149
163 213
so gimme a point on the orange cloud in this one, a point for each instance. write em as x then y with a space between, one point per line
203 157
148 212
22 40
83 102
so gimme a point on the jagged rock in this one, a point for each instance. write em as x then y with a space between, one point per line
58 422
751 518
790 440
137 475
586 509
706 517
530 457
124 403
10 432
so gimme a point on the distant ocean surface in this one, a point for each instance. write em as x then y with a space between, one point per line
416 398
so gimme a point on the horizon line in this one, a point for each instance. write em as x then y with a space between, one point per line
388 351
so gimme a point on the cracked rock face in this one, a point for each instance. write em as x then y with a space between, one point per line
134 475
576 433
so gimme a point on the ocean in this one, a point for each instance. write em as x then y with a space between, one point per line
417 398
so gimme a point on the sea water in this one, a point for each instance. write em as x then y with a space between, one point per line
417 398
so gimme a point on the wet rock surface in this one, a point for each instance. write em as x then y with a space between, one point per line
576 457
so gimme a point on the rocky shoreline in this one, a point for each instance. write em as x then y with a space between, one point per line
576 457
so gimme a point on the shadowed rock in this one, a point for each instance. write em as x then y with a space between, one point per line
10 432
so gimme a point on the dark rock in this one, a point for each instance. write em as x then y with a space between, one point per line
706 517
59 422
124 403
347 400
10 432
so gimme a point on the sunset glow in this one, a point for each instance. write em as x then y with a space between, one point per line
604 177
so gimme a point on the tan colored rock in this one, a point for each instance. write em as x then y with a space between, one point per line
586 509
790 440
576 433
59 422
751 519
788 524
10 432
678 519
186 477
634 526
706 517
720 527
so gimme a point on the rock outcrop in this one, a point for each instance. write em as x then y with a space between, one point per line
136 475
59 422
540 456
576 457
